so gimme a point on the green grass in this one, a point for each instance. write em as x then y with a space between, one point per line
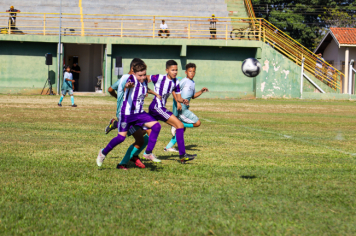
264 167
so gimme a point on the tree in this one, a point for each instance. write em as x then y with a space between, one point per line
303 20
336 18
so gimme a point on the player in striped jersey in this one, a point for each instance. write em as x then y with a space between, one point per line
141 138
180 110
131 114
164 86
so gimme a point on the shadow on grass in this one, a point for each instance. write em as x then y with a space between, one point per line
192 148
248 176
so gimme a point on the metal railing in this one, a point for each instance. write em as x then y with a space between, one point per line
249 9
184 27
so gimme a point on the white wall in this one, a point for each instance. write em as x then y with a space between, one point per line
336 54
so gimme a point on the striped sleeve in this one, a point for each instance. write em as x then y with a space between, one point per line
177 87
154 78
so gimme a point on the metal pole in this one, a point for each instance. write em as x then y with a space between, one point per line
59 48
302 79
350 77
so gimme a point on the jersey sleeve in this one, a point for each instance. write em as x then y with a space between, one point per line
177 87
130 79
115 86
154 78
66 75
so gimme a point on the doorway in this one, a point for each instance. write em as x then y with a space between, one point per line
90 60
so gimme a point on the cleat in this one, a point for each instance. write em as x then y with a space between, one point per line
100 159
121 167
111 126
137 162
170 149
74 105
60 105
173 131
186 157
151 157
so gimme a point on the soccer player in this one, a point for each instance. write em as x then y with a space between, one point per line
117 90
67 87
181 110
164 86
132 113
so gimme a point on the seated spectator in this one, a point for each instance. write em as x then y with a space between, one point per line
163 30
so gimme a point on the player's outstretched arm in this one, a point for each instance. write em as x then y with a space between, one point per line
203 90
112 92
179 99
154 93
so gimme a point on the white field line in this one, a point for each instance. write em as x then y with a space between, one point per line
299 139
207 120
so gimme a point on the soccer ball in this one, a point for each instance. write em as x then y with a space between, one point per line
251 67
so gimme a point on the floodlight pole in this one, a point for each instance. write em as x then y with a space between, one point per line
350 76
59 48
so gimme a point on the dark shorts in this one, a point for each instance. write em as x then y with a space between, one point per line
160 113
212 31
127 121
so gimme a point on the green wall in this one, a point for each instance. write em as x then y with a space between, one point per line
219 69
22 66
280 77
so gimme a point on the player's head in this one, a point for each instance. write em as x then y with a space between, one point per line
163 21
12 8
134 62
172 68
139 70
190 70
68 68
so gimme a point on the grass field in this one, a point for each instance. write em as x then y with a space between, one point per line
264 167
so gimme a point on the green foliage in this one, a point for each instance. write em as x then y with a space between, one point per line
336 18
303 20
264 167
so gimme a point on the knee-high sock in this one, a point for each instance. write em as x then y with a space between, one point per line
172 142
113 143
145 139
153 138
128 155
186 125
61 99
180 141
72 99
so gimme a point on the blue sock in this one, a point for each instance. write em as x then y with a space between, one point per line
188 125
145 138
172 142
128 155
61 99
72 99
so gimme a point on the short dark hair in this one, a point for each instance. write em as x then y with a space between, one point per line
135 61
171 63
190 65
138 67
67 67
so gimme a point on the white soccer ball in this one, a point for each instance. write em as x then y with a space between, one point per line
251 67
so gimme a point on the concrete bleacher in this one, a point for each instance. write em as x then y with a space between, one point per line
198 8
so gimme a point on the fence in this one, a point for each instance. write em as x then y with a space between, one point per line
184 27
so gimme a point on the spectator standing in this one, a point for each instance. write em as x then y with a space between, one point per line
163 30
12 17
213 21
319 66
76 71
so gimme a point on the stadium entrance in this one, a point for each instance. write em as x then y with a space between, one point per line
90 60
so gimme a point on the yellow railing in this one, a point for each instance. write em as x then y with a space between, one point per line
249 8
227 28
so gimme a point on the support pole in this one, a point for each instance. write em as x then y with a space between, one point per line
59 49
302 79
350 76
347 56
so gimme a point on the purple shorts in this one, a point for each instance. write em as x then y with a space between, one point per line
160 113
126 121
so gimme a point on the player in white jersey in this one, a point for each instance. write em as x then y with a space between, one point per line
132 113
164 86
181 110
